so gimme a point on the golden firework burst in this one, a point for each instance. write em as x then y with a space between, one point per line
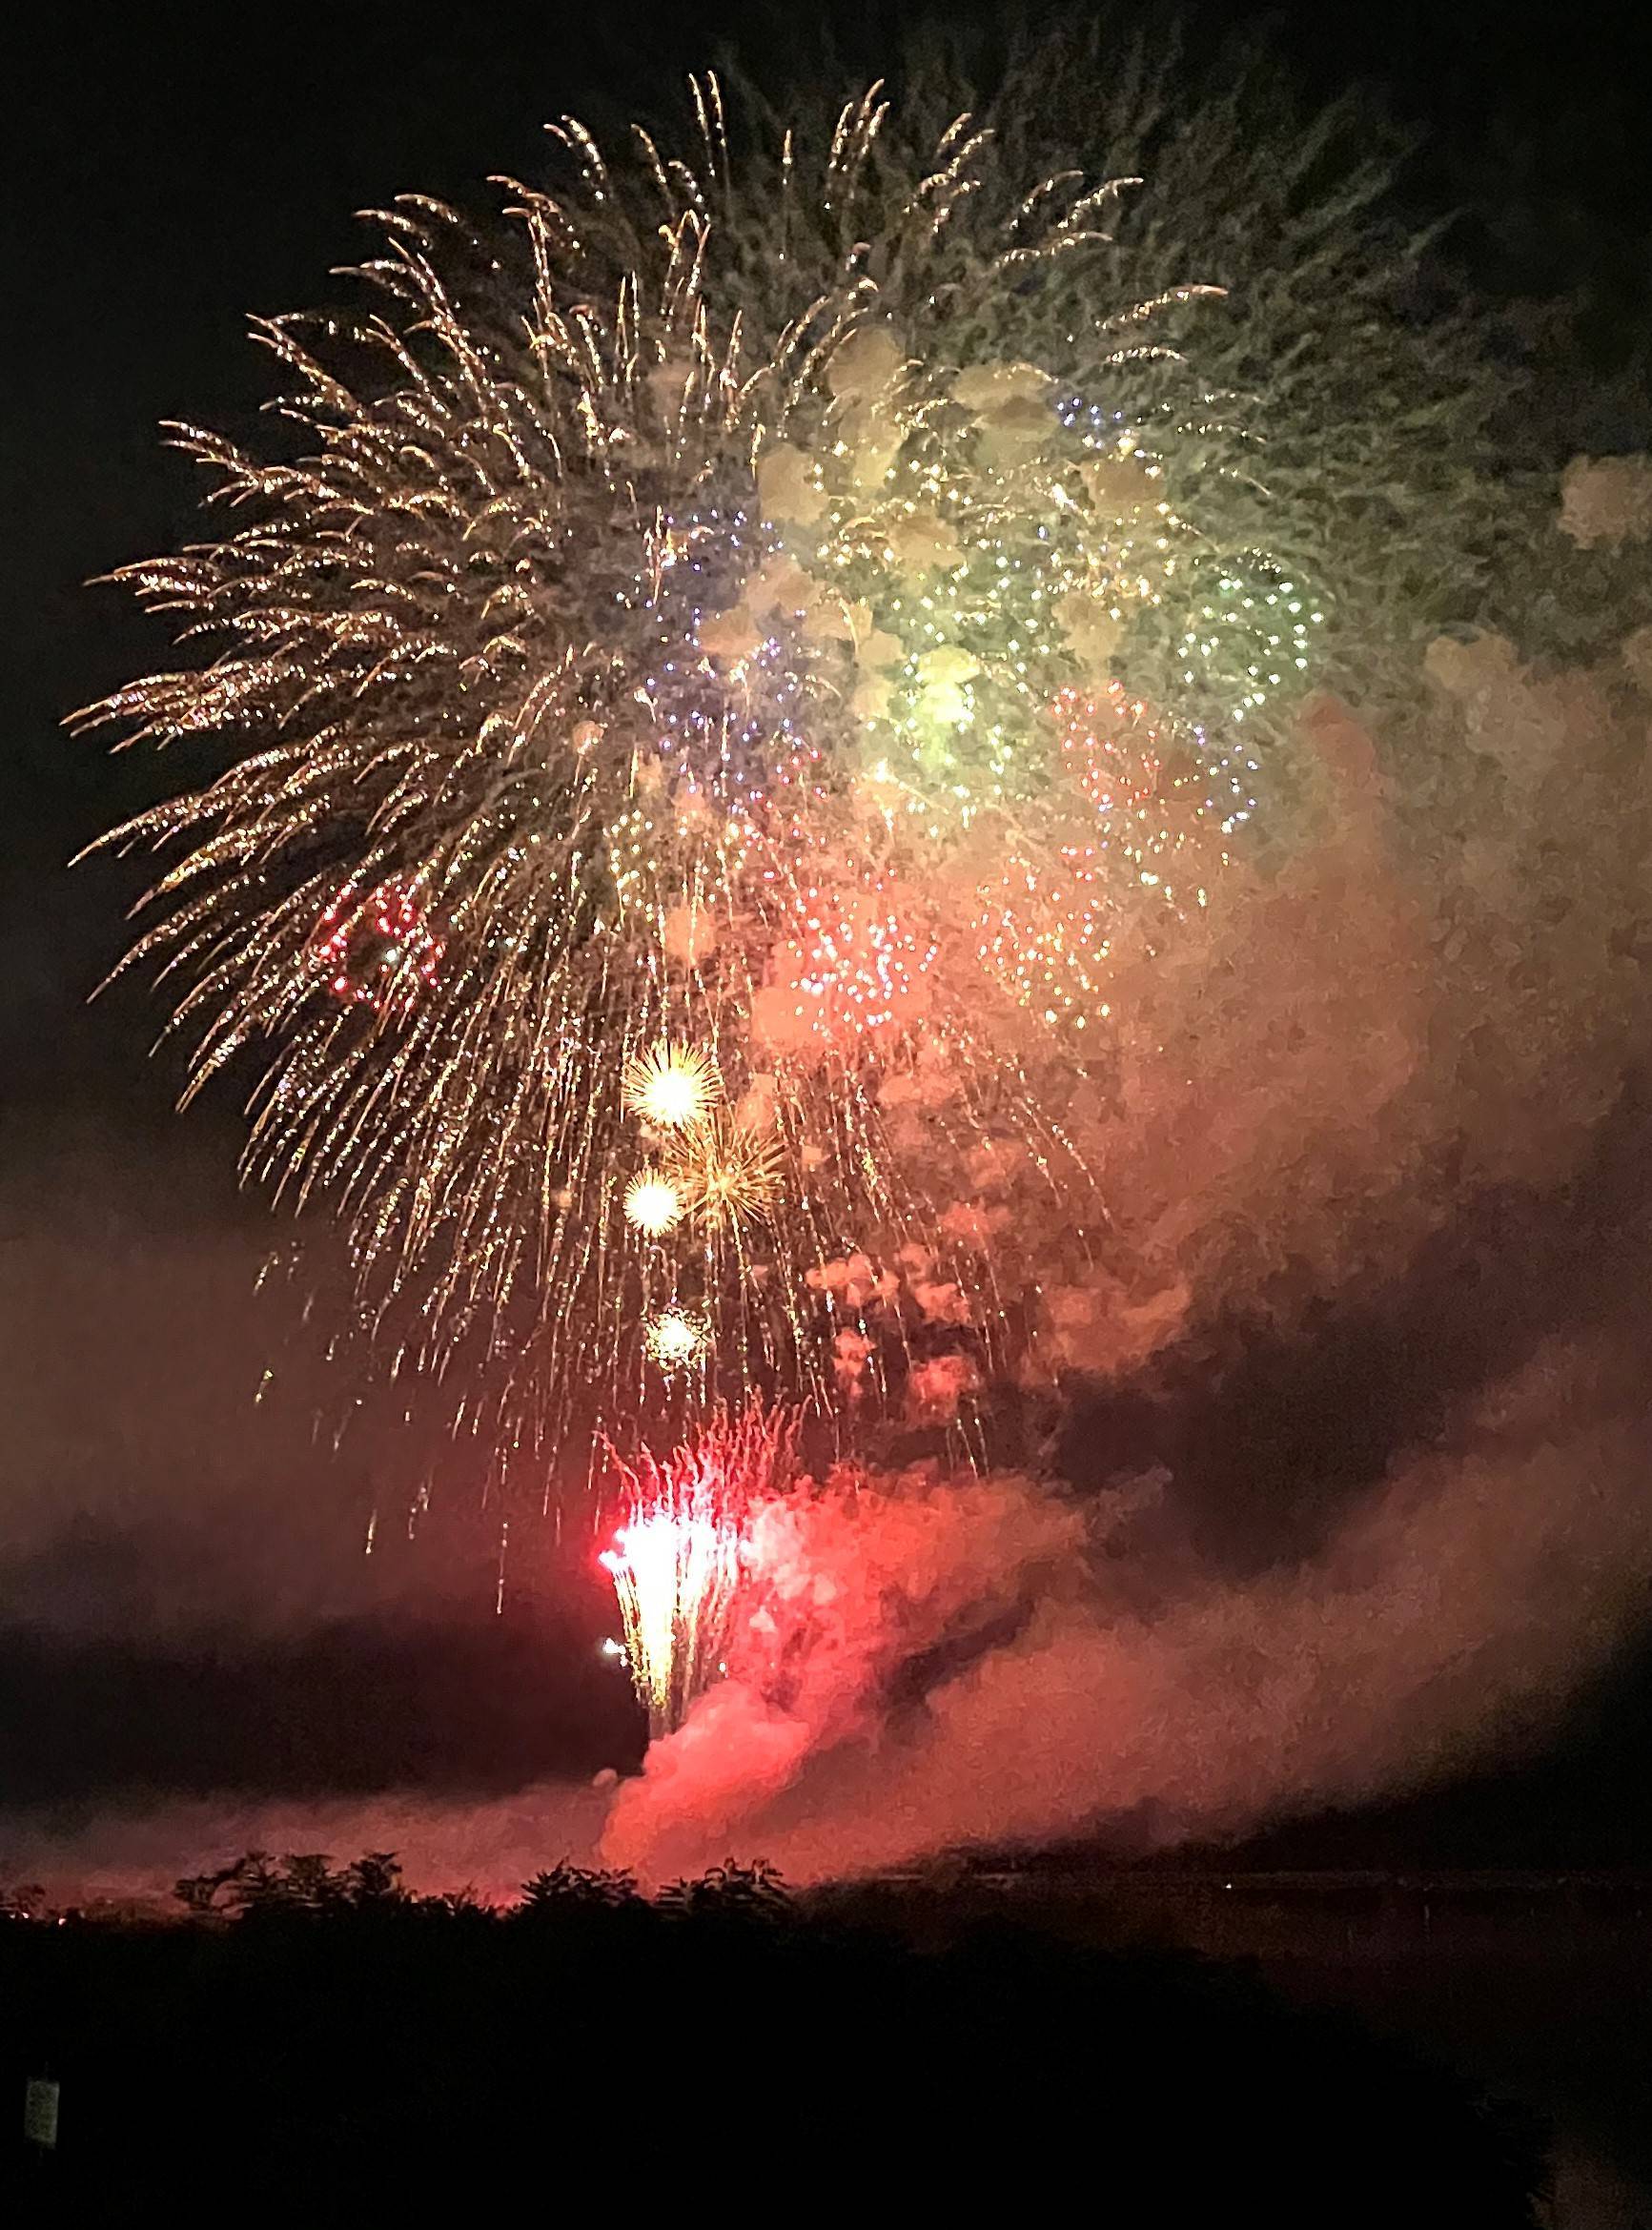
483 933
671 1086
726 1173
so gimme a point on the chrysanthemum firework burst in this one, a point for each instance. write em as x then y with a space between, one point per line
691 613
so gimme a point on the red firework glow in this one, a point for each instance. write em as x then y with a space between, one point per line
682 1547
377 952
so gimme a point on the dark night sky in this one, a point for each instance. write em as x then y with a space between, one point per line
169 175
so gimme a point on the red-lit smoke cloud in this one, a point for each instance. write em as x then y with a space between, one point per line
1436 998
1456 1607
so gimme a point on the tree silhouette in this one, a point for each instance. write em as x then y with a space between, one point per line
730 1892
566 1885
328 2024
374 1879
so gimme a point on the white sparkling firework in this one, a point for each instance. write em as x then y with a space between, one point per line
681 1548
676 1339
653 1203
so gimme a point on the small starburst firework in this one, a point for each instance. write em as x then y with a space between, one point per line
675 1338
727 1174
672 1086
377 952
653 1204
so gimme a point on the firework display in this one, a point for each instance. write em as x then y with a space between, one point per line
683 779
679 1547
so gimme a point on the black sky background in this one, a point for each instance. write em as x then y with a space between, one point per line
171 171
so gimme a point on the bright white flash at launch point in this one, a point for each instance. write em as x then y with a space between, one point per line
682 1547
674 1565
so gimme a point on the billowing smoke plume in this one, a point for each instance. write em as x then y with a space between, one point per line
1383 1112
947 1700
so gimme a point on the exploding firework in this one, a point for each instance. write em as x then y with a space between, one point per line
653 1204
676 1339
727 1174
679 1550
379 952
672 1086
676 755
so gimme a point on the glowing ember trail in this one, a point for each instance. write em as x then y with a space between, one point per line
680 1549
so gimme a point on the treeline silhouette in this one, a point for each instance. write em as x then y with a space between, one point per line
298 2034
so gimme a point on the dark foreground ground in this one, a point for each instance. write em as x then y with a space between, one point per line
1536 1986
315 2038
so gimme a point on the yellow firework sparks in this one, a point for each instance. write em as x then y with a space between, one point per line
675 1338
653 1203
726 1173
672 1086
